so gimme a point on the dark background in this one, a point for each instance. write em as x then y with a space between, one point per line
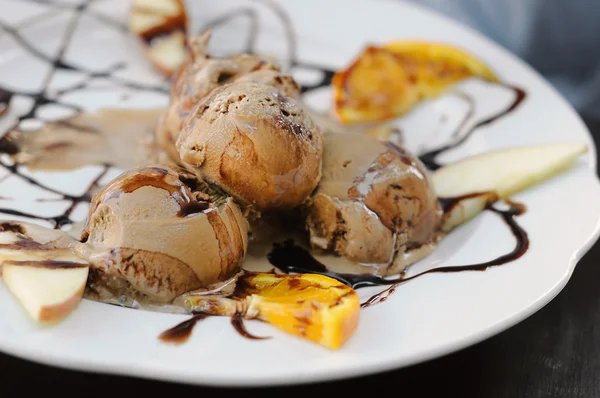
554 353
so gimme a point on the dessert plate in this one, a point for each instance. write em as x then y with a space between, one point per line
64 57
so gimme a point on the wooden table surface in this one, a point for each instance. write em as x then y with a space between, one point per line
554 353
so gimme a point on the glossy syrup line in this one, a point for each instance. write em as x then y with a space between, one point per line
520 248
181 332
63 218
291 258
58 63
237 321
41 98
429 158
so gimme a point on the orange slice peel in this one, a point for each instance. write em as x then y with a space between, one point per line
387 81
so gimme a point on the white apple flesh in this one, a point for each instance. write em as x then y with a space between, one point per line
465 209
42 269
498 175
505 172
48 290
167 53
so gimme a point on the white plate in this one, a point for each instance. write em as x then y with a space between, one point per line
425 318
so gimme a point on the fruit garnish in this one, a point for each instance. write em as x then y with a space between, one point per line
386 82
462 209
41 271
484 178
315 307
505 171
161 26
48 290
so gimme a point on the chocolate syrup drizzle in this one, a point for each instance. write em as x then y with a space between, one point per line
42 97
247 12
57 62
291 258
237 321
181 332
285 256
429 158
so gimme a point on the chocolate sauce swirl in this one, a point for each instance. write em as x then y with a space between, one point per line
181 332
291 258
237 321
429 158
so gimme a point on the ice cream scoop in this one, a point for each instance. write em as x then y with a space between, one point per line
157 232
256 143
284 83
374 204
196 78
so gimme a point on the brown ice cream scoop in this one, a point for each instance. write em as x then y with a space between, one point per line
284 83
196 78
158 232
374 204
256 143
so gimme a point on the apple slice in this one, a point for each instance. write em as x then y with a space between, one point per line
161 26
42 270
469 185
31 242
48 290
459 210
506 171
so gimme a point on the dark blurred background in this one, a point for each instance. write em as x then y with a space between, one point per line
559 38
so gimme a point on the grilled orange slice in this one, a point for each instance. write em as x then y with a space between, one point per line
315 307
386 82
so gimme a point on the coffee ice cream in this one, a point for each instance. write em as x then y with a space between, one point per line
196 78
374 204
255 142
156 232
284 83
